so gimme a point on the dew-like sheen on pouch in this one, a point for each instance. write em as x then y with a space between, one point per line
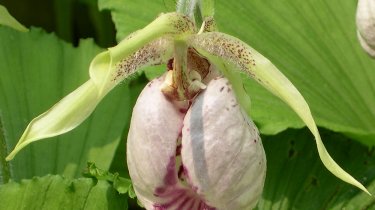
207 155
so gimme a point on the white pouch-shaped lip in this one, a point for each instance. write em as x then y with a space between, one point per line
222 150
365 20
210 157
152 141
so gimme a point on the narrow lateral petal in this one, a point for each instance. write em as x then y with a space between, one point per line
62 117
8 20
224 50
142 48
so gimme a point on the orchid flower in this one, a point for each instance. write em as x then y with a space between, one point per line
365 19
165 118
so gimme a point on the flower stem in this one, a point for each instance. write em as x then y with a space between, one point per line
203 8
186 7
4 165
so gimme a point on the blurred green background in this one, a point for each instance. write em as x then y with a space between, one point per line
70 20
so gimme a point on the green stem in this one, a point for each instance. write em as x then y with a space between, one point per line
190 7
206 8
4 165
186 7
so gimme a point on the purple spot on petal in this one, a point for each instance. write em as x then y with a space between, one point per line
200 205
170 64
175 194
159 191
176 197
159 208
170 177
192 204
207 207
184 202
178 150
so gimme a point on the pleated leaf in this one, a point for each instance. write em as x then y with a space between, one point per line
36 71
57 192
296 178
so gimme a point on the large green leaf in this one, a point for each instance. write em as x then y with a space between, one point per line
312 42
296 178
36 71
55 192
130 16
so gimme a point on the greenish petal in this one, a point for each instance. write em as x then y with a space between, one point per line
226 51
106 73
8 20
62 117
109 68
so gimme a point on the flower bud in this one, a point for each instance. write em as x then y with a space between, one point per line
207 155
366 25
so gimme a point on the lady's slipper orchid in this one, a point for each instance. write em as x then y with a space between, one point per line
188 127
207 157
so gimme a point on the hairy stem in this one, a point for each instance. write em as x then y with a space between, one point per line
198 10
4 165
186 7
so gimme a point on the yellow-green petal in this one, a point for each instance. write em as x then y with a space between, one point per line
112 63
231 53
62 117
8 20
109 68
